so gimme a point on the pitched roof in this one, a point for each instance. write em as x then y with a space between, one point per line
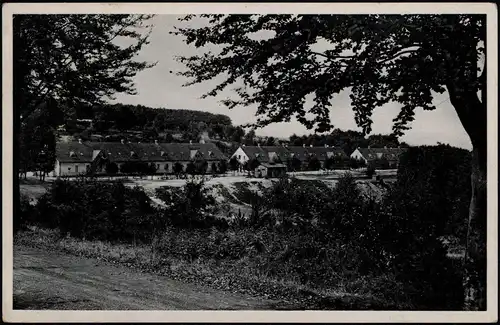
268 165
73 152
388 153
322 153
263 153
280 151
256 152
122 152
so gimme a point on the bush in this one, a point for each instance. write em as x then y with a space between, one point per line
26 213
193 206
96 210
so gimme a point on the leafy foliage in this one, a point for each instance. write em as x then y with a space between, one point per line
314 164
111 168
381 58
157 120
74 59
233 163
178 168
96 210
445 172
37 140
347 140
192 206
294 164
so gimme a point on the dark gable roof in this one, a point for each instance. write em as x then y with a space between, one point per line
122 152
117 152
302 153
374 153
82 152
271 166
322 153
282 152
256 152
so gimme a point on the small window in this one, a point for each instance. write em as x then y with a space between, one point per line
76 168
72 154
157 166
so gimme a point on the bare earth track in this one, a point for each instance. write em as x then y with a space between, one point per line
57 281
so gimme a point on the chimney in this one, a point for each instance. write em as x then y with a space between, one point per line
123 141
156 141
190 141
369 146
304 145
80 140
326 146
258 145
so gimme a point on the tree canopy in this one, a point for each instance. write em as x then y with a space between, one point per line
75 59
378 58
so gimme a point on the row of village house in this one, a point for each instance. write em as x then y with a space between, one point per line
75 158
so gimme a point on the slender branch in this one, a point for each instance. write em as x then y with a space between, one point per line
395 56
335 56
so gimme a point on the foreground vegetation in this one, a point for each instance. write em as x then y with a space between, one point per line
303 242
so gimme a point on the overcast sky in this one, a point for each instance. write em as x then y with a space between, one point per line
157 87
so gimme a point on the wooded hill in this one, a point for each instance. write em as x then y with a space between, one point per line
114 122
137 122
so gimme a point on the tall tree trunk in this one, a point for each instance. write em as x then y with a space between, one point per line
472 113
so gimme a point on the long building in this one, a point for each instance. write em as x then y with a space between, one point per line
368 155
267 154
76 158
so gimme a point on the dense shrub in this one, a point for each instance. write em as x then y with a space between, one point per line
431 193
192 206
97 210
24 215
445 171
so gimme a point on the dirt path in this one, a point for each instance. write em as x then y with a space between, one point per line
50 280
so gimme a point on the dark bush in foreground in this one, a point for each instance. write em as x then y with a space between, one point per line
25 214
97 210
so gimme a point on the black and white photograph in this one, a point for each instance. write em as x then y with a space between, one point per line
250 157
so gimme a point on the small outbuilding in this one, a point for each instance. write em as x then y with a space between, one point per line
270 170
